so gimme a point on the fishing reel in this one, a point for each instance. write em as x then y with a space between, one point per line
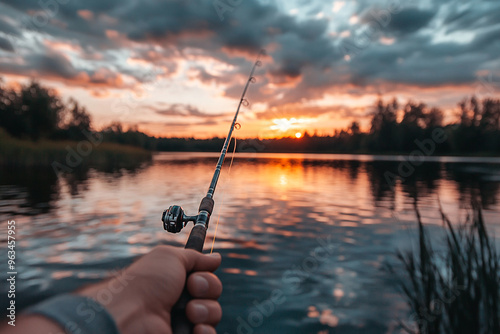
174 219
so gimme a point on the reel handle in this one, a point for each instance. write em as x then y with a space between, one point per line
180 322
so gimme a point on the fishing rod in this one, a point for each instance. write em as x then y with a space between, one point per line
174 219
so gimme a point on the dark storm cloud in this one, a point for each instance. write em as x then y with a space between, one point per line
250 28
65 7
195 24
472 15
410 20
427 57
53 65
56 66
487 40
7 27
397 22
417 61
301 49
6 45
61 20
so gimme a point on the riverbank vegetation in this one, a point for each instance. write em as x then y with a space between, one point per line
453 288
38 129
66 155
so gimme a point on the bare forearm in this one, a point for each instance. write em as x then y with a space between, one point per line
33 324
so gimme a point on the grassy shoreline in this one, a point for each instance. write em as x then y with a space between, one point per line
25 153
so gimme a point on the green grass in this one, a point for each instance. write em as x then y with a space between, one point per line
24 153
455 289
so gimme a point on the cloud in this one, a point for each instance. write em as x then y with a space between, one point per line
200 73
178 109
487 40
185 125
56 66
471 15
410 20
7 27
296 111
53 64
6 45
121 42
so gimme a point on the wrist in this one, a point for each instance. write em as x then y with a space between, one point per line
73 313
124 308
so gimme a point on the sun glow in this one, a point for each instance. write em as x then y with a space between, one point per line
285 124
298 135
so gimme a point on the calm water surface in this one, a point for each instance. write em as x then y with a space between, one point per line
276 212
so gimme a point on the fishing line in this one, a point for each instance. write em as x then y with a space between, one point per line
223 195
174 219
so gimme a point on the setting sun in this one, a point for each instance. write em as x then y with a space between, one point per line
298 135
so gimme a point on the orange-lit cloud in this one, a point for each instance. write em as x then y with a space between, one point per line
181 53
86 14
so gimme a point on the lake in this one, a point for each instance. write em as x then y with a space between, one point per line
317 230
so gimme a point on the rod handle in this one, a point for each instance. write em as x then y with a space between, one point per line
197 238
180 322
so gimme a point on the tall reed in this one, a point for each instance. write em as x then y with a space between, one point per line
453 288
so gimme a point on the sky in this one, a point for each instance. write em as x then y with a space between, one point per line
178 67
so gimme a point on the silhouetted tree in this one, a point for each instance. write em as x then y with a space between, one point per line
384 126
354 128
77 121
41 109
32 112
479 129
433 119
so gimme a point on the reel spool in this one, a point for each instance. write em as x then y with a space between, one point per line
174 219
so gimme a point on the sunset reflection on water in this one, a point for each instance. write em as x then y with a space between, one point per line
277 209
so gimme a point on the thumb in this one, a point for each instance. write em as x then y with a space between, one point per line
194 261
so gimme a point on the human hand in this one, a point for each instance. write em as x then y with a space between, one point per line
151 286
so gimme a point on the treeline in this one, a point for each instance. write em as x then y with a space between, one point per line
476 127
35 112
395 128
400 129
38 129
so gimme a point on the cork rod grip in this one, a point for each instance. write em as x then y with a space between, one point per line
180 323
